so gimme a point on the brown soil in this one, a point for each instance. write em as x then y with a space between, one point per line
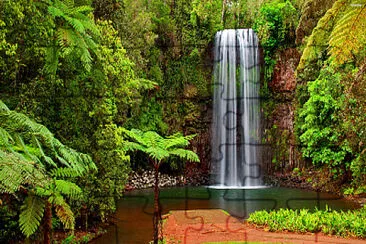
200 226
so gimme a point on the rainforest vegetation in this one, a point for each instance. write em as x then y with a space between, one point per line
76 76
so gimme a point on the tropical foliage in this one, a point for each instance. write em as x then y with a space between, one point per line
330 111
87 72
341 223
37 166
159 149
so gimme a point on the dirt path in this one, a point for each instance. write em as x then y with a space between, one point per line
200 226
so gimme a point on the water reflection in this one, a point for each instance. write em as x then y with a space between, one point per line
135 210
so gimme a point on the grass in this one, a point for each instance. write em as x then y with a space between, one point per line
351 223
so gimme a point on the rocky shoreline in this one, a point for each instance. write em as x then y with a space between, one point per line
145 179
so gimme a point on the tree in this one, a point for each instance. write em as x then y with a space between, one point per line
33 163
159 149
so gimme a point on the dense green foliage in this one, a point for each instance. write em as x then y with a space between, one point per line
331 110
346 224
88 70
37 170
275 25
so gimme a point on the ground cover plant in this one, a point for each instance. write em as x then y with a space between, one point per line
349 223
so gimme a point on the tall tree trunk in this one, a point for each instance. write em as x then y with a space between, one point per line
47 223
156 218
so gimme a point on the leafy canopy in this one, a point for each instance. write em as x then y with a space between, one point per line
158 147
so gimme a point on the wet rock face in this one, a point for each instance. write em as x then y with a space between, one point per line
284 116
284 79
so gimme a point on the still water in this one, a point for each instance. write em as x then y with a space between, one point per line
135 210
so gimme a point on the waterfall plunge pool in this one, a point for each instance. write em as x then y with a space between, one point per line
133 219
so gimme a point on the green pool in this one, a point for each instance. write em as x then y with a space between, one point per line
134 214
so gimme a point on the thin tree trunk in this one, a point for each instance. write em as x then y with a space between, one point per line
47 223
156 218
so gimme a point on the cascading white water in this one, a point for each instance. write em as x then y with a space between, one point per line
236 109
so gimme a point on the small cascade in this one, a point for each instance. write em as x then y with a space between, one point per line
236 110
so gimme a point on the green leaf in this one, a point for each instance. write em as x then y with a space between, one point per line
31 215
68 188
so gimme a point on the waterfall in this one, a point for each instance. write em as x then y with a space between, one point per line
236 110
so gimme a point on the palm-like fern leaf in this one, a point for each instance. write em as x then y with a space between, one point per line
75 34
64 213
19 126
68 188
17 171
5 138
185 154
178 140
64 173
158 147
318 40
31 214
52 56
349 37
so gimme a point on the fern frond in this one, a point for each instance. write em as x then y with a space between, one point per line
51 60
68 188
348 37
5 138
31 214
185 154
132 146
46 158
318 40
17 171
43 192
19 126
3 107
24 148
81 9
89 25
73 34
157 153
178 140
55 11
65 173
135 135
64 38
78 26
158 147
64 213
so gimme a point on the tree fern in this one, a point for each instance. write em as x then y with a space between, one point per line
31 214
348 37
76 34
19 126
159 149
33 161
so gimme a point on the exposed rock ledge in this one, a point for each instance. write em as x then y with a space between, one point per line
145 179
